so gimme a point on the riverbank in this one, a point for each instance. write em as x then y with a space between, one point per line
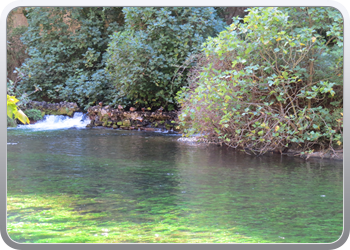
293 151
107 117
132 120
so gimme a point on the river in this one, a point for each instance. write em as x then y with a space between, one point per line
72 184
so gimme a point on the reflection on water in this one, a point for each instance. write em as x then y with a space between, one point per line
148 178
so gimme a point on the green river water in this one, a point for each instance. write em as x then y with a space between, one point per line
105 186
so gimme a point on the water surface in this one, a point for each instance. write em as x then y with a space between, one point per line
104 185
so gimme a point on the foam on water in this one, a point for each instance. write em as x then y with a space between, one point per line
53 122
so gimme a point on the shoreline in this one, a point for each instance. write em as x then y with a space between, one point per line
337 155
157 122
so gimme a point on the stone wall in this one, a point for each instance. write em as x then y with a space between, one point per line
130 120
113 118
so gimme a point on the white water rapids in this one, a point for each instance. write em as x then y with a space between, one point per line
78 121
53 122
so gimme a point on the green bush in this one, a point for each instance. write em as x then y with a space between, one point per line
144 59
269 81
89 89
66 46
34 114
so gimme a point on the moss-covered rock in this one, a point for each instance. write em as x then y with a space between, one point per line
109 117
126 123
104 118
168 126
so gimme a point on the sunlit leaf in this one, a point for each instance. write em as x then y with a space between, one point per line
21 116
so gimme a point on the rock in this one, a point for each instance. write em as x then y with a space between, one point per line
98 123
103 112
150 129
130 120
126 123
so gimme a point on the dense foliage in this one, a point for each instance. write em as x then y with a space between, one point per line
66 47
269 81
144 59
34 114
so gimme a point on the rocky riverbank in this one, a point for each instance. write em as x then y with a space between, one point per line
105 116
132 120
335 155
294 151
62 108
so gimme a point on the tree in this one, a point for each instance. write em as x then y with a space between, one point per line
272 80
66 46
144 59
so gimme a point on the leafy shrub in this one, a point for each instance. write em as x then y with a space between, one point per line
90 88
272 80
66 44
34 114
143 60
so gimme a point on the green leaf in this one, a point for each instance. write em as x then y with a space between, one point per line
11 109
21 116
